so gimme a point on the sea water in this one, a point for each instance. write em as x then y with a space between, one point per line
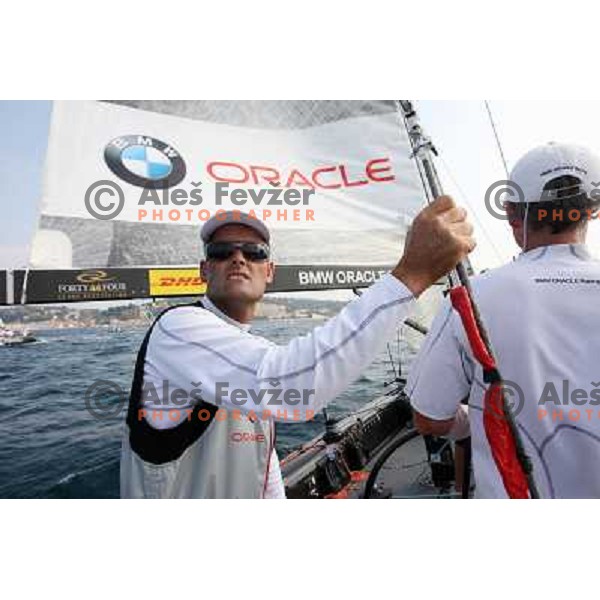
52 447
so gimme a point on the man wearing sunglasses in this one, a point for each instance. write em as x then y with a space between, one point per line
207 430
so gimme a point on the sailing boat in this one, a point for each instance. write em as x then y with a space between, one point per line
123 225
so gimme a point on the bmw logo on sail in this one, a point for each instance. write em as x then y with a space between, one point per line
145 161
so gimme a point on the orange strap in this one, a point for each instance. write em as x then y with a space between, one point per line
497 428
502 443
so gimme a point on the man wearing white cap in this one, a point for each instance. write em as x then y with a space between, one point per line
542 313
205 429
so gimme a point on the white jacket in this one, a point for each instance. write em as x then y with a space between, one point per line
199 359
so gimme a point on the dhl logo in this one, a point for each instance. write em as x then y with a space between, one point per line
180 281
176 282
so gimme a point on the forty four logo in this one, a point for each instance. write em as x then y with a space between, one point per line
145 161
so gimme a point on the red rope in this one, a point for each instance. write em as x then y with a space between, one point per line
462 304
497 428
502 443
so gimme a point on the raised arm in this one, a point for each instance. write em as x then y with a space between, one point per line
240 371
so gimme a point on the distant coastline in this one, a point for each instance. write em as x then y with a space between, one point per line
138 315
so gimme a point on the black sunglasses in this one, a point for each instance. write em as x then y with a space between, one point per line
224 250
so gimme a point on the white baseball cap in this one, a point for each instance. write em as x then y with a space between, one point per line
543 164
233 217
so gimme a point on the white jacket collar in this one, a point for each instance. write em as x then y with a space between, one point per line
206 302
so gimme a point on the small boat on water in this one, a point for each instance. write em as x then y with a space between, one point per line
10 337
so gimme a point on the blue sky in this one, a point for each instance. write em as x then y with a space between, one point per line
465 140
461 130
24 131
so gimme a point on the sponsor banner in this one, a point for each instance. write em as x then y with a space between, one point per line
86 285
82 285
334 184
175 282
325 277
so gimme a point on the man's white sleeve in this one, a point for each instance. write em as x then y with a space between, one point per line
192 347
441 374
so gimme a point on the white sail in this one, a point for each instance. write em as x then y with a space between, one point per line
354 155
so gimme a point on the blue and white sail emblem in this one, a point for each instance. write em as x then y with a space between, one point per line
144 161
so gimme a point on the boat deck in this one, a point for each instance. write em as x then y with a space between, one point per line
406 474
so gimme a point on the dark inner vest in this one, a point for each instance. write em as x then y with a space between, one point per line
160 446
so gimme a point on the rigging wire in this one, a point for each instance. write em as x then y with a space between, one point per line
466 200
398 349
392 363
502 156
404 122
456 184
396 367
517 474
498 142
